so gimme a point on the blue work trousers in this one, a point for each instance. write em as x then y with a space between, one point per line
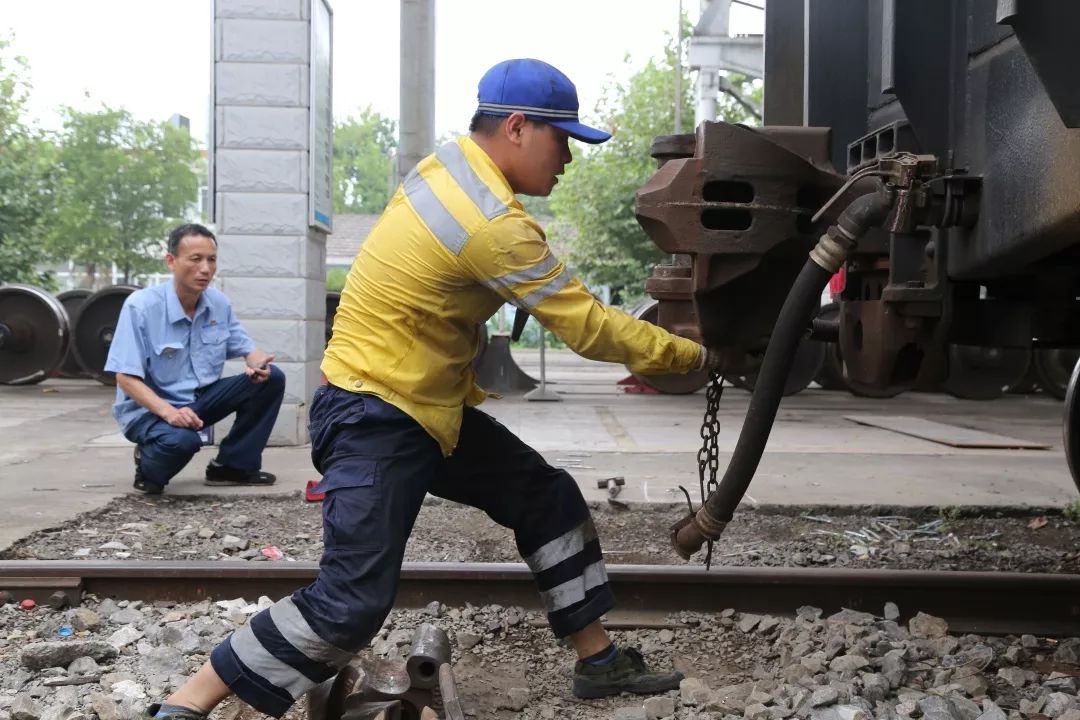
377 465
165 449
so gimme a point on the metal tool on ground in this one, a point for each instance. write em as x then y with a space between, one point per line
430 651
451 702
327 700
388 680
34 334
613 485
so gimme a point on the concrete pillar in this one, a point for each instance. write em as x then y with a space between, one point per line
271 257
705 96
416 124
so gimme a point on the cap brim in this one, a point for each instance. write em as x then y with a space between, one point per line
581 132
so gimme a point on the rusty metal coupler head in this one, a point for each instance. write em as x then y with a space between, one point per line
690 533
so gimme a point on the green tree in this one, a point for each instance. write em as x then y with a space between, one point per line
363 162
25 178
594 201
122 183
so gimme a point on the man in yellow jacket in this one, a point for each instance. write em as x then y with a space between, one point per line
397 418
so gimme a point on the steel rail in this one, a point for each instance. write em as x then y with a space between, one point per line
983 602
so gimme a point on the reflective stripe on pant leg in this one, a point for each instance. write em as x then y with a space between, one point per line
572 579
368 512
492 469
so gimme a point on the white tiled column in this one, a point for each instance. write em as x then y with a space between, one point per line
271 264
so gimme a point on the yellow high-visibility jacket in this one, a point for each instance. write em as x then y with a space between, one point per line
453 245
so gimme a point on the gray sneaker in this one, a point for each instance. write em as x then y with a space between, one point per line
626 673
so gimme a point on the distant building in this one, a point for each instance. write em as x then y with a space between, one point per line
350 230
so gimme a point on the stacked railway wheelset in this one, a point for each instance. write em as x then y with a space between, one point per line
68 335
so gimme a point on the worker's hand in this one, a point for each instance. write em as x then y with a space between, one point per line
183 417
258 367
727 360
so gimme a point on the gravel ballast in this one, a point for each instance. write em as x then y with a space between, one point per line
108 659
120 656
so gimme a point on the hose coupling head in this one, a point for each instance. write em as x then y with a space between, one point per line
690 533
832 249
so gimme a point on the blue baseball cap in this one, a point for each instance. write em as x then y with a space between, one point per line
539 91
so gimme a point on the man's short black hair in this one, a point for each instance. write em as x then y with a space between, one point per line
485 124
488 125
183 231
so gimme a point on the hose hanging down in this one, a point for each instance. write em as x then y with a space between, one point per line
802 301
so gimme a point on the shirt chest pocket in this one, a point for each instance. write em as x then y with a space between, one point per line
214 340
168 363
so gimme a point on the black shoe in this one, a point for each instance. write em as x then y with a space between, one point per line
217 474
626 673
185 714
141 483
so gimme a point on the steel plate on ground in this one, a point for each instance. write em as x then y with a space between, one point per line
34 334
943 434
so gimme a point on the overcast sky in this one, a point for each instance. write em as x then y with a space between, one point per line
153 56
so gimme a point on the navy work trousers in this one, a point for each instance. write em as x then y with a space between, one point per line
377 465
166 449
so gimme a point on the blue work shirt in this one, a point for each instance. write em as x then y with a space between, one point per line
175 355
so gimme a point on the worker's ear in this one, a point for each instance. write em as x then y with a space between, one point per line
514 127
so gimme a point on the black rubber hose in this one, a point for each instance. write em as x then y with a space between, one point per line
795 317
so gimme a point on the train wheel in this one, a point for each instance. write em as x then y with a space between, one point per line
1071 426
1053 368
809 359
983 373
95 328
34 334
72 300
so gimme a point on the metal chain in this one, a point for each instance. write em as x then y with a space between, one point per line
708 455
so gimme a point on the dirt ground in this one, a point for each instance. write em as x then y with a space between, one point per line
267 528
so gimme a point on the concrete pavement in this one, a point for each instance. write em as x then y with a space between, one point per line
61 454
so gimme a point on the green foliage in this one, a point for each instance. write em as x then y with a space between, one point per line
363 162
594 200
121 185
25 179
538 207
335 278
530 338
1072 511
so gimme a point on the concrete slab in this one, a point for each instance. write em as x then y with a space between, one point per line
62 455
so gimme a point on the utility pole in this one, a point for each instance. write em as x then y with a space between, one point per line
416 121
678 75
